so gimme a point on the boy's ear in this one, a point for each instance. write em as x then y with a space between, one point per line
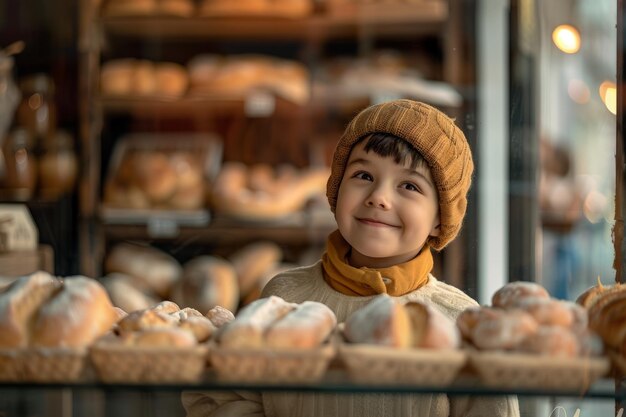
436 230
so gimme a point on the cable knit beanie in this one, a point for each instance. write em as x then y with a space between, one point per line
435 136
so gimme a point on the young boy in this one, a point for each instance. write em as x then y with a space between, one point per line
398 187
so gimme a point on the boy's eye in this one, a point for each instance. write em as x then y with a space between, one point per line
363 176
411 187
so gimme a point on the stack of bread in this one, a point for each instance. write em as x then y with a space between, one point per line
47 323
162 343
263 193
605 306
524 318
157 179
264 8
272 339
395 342
139 77
238 75
138 277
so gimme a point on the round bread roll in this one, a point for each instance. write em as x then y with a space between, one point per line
19 303
430 328
188 198
171 78
144 82
548 312
202 70
471 316
551 341
75 316
124 295
146 319
251 263
116 77
207 282
155 176
505 331
167 307
155 270
220 316
511 294
201 327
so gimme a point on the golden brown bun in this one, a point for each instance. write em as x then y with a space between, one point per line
75 316
125 295
471 316
146 319
251 263
155 270
155 176
305 327
167 307
171 78
383 321
249 328
207 282
511 294
220 316
201 327
430 328
551 341
116 77
161 337
19 303
505 331
548 311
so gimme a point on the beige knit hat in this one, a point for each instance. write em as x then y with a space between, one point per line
436 138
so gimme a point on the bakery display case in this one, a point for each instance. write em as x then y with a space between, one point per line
205 132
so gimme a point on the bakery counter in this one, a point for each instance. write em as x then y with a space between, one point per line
338 382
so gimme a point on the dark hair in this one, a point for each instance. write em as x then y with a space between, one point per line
385 144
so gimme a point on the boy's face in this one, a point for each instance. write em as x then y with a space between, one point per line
385 210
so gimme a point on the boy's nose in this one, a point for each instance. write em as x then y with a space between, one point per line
378 199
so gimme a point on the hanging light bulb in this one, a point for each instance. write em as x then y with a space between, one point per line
608 94
566 38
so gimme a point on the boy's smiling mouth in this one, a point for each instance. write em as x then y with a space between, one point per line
374 222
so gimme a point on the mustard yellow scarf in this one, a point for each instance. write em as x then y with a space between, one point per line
399 279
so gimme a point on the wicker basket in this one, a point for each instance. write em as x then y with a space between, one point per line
54 364
11 365
518 370
117 363
387 365
270 365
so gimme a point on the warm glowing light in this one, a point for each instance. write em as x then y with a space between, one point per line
566 38
578 91
608 94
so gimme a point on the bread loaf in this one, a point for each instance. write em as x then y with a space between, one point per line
305 327
430 328
75 316
383 321
208 281
18 305
125 295
249 327
511 294
252 261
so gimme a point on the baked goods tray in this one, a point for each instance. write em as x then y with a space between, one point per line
271 365
118 363
43 365
381 364
518 370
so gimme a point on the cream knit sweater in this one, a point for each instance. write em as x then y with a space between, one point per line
307 283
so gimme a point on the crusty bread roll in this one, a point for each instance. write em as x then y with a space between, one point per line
551 341
75 316
146 319
18 305
220 316
167 307
201 327
548 311
249 327
160 337
511 294
116 77
186 313
171 78
251 263
430 328
154 269
383 321
208 281
305 327
126 296
471 316
505 331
